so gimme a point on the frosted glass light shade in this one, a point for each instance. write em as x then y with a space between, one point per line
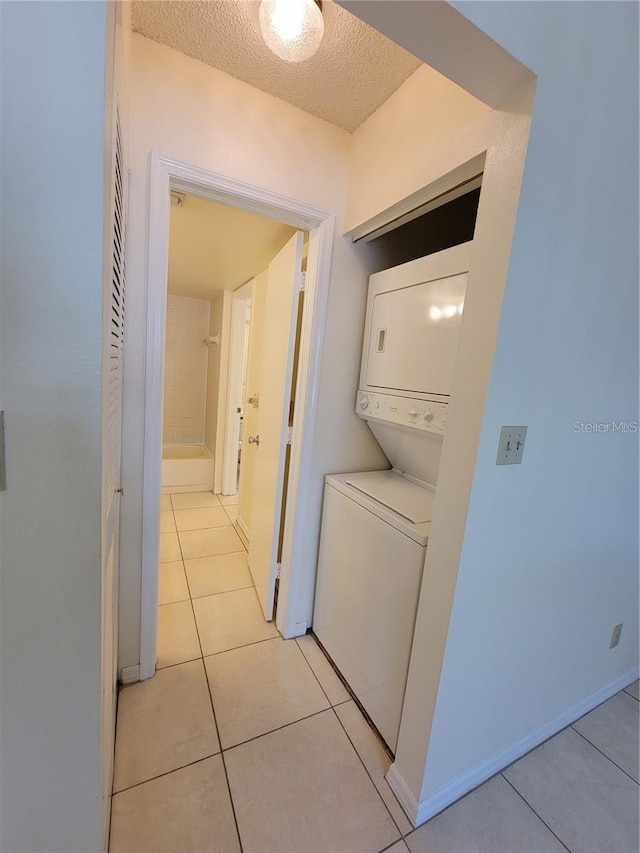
292 29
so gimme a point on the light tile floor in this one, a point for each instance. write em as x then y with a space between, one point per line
247 742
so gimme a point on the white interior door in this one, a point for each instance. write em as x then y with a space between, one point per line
251 401
284 281
237 356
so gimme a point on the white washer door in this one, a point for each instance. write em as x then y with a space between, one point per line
369 577
413 502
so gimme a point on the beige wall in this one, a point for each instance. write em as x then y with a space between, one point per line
213 376
424 130
185 370
256 340
192 113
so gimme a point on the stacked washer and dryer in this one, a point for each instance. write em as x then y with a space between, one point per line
375 525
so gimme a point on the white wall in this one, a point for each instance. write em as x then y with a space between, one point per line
192 113
545 562
53 60
185 370
550 559
427 129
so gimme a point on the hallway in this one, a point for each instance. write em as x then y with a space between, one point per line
244 741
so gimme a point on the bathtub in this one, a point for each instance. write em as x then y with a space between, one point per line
186 468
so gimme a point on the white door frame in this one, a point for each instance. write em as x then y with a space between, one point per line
165 175
234 379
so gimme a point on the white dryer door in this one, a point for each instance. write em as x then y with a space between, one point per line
414 336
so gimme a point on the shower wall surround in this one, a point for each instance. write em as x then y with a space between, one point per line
185 376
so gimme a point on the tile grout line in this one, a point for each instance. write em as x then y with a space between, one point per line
224 763
226 591
313 671
223 591
331 704
528 804
608 757
181 663
169 666
213 712
351 697
332 707
208 506
244 646
207 527
340 723
626 690
277 729
177 663
177 600
166 773
393 844
208 594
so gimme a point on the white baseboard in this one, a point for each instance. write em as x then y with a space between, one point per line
202 486
129 674
402 793
243 531
419 812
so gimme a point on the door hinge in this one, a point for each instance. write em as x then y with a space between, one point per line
290 435
303 278
278 570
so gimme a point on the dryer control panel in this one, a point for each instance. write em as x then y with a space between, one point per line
425 415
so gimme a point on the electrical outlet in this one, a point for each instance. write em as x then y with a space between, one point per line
615 636
511 445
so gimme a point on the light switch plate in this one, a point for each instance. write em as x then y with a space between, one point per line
511 445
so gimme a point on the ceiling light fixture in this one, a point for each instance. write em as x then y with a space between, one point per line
292 29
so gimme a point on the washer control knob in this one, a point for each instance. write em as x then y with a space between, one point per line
428 416
412 414
364 403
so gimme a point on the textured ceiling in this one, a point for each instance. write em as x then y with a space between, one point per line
213 247
354 71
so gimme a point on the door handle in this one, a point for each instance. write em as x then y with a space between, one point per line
254 439
254 401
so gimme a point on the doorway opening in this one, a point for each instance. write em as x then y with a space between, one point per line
232 349
193 412
234 406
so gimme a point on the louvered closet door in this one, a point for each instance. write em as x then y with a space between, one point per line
113 341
